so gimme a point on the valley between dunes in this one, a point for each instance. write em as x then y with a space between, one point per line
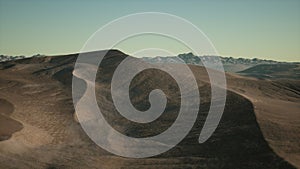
259 129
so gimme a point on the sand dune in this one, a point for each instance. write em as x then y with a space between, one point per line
252 134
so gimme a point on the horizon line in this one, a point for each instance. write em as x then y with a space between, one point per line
220 55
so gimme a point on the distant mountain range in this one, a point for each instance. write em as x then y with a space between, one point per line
259 68
230 64
4 58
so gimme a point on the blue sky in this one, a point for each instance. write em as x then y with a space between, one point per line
268 29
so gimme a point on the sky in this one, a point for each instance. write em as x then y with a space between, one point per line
267 29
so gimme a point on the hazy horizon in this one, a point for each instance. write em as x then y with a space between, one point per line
141 56
266 30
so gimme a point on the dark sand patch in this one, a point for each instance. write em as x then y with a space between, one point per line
6 108
8 126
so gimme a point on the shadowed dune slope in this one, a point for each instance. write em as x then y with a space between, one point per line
276 106
40 91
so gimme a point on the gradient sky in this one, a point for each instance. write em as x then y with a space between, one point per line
268 29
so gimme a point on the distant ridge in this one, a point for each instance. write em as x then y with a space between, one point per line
284 70
259 68
4 58
230 64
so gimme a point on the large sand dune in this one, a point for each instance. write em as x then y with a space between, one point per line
259 127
